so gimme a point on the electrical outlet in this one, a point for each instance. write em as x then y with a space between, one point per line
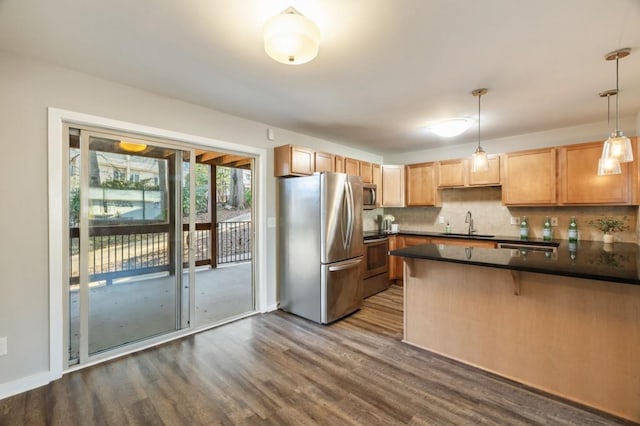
441 220
3 346
271 222
515 220
554 221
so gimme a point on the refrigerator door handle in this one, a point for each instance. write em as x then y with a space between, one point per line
344 265
350 213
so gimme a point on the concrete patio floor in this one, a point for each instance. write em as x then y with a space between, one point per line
140 307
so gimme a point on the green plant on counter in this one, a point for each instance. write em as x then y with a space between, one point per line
610 224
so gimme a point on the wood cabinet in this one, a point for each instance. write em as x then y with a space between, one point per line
324 162
291 160
395 262
366 172
351 166
529 177
579 182
464 242
489 178
392 186
421 185
376 179
452 173
339 163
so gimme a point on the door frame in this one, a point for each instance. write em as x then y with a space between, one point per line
58 225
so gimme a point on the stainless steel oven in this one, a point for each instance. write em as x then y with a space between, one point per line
376 265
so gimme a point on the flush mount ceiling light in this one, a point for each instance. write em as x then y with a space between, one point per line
608 166
479 160
451 128
132 147
291 38
618 146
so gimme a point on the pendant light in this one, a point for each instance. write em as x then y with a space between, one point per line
291 38
608 166
618 146
479 160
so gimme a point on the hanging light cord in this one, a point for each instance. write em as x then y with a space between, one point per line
479 96
617 92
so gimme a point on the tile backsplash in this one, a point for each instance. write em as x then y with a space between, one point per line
491 217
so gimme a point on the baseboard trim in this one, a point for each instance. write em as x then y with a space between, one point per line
24 384
271 308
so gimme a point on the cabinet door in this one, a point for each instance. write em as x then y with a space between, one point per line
293 161
302 160
392 186
529 177
421 185
579 180
351 166
489 178
452 173
324 162
376 179
395 262
464 242
366 172
339 164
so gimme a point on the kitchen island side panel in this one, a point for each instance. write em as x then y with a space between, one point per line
576 338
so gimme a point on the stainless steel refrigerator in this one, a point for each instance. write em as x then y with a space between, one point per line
320 245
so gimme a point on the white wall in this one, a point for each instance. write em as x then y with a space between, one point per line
566 136
28 88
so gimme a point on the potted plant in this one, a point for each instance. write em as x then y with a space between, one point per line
609 225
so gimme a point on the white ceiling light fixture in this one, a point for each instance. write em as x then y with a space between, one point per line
479 160
450 128
618 146
608 166
291 38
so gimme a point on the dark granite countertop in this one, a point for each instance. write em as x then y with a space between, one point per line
616 262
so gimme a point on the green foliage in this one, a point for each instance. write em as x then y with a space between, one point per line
126 184
247 196
610 224
202 190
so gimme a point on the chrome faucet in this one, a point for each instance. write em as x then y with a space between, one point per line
469 220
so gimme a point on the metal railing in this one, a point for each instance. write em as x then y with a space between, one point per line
118 251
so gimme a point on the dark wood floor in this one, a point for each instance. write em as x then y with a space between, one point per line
280 369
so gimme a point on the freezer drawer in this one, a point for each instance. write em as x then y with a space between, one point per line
341 289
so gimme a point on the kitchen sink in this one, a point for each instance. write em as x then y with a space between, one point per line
450 234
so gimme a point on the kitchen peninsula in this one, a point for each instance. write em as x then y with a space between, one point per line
566 322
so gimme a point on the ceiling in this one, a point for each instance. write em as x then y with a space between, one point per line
386 68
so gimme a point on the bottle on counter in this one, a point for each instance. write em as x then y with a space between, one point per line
524 228
573 230
447 229
547 230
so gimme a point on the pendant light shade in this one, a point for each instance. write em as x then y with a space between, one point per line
618 146
291 38
608 165
479 160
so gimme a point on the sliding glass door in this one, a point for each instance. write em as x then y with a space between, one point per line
148 253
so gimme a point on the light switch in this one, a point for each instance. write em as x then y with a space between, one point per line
3 346
271 222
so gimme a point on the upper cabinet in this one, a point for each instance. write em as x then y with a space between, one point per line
529 177
291 160
339 164
421 185
366 171
351 166
324 162
489 178
376 179
452 173
457 173
579 182
392 186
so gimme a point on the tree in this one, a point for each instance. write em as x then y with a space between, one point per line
237 196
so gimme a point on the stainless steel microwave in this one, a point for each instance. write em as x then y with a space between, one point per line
369 196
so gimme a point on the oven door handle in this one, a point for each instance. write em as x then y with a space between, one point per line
377 240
